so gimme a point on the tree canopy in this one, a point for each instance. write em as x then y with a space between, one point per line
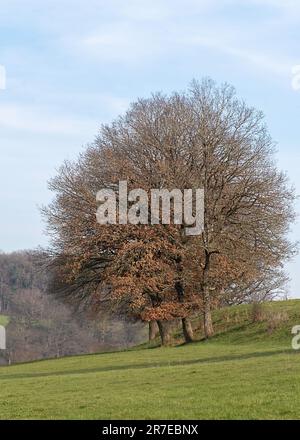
203 138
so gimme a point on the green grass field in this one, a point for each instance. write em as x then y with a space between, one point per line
247 371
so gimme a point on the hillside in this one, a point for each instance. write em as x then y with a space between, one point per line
41 328
269 323
248 370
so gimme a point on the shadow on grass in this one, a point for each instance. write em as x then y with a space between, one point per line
146 365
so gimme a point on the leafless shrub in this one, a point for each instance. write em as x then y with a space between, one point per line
275 320
257 312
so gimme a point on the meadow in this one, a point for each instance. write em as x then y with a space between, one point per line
247 371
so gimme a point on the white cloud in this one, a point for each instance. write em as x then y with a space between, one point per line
41 120
131 38
31 119
224 41
119 42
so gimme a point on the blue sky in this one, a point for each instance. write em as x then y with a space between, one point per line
72 65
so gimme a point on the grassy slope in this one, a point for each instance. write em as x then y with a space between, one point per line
247 371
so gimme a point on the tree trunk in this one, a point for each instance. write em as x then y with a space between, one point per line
186 323
164 331
187 330
207 319
153 330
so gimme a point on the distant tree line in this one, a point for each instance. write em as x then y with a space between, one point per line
41 327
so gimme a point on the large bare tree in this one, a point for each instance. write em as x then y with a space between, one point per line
203 138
